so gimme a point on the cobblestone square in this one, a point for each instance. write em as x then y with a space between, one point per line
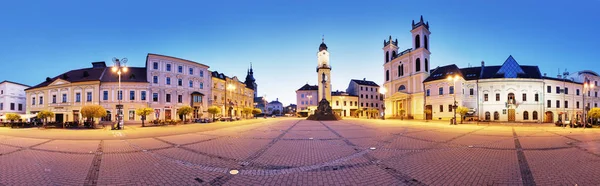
291 151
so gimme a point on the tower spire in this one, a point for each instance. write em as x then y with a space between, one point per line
323 38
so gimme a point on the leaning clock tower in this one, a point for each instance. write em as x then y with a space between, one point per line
324 73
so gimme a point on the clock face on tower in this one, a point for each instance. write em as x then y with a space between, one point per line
323 57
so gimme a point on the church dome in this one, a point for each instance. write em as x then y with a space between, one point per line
322 47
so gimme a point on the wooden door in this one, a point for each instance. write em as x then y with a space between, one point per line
511 114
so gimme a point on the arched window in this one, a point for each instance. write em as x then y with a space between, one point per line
511 98
387 75
418 65
496 115
426 42
417 41
525 115
387 57
534 115
426 65
401 88
400 71
394 54
402 68
487 116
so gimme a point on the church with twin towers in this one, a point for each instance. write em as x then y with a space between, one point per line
507 92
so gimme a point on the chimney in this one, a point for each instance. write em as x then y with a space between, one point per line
544 74
364 79
559 76
482 63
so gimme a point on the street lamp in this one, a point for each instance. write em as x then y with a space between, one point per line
454 79
229 87
383 90
119 67
586 86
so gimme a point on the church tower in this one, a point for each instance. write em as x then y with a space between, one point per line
420 34
250 81
390 48
324 73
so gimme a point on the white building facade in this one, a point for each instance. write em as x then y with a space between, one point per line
275 107
12 98
506 93
344 104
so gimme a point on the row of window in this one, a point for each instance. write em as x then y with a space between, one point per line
442 108
549 104
155 98
306 102
441 91
566 91
401 68
367 96
179 69
525 115
12 106
367 105
179 82
367 89
337 103
303 96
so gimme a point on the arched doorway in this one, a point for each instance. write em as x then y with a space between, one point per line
487 116
496 116
549 117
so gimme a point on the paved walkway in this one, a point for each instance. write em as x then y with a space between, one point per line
290 151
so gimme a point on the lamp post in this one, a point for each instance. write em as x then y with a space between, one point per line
228 87
586 86
383 90
119 67
454 79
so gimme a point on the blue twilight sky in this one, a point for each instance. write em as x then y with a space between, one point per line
45 38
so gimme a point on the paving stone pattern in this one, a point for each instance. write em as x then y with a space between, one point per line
290 151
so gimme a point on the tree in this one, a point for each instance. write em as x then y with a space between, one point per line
594 114
247 111
91 112
214 110
185 110
463 112
143 112
12 117
256 111
45 114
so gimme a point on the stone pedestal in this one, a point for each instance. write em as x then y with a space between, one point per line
324 112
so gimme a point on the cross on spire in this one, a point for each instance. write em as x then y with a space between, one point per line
323 38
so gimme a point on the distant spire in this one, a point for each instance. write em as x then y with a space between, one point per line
323 38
